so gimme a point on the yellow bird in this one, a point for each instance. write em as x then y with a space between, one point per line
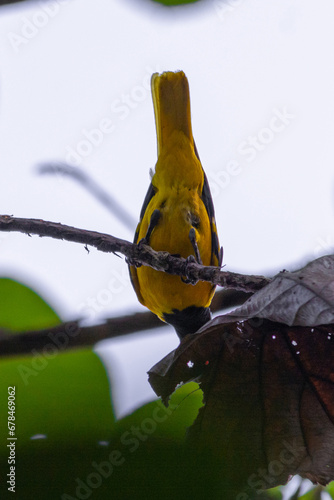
177 215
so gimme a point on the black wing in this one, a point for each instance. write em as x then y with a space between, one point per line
208 203
149 195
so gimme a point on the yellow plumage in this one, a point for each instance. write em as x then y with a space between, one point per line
180 195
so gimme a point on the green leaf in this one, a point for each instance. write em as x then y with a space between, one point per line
275 493
50 393
172 3
313 494
330 489
172 421
63 415
84 452
21 309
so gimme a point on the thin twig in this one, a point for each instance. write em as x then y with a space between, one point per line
92 187
139 254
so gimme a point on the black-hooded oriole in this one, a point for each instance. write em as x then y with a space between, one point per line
177 215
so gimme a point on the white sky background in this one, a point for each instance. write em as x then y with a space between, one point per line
247 61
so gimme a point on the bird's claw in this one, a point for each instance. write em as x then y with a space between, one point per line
189 260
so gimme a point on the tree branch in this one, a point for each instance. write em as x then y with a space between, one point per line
71 335
138 254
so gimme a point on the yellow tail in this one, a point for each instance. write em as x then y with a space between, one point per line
170 92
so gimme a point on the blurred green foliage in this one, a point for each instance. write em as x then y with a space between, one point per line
69 444
22 309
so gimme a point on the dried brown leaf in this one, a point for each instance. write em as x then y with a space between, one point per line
269 399
300 298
